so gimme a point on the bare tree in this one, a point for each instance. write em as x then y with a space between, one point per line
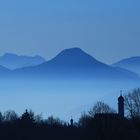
10 116
54 121
84 120
101 107
132 103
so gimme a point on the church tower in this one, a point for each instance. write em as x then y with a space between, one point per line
71 122
121 106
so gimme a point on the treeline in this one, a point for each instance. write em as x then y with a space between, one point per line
100 123
32 127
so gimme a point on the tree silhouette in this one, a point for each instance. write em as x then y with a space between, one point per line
84 120
28 117
54 121
132 103
100 107
10 116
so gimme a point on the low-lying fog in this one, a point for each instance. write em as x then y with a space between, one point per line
63 99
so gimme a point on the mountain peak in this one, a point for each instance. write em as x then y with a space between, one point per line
73 51
74 56
13 61
75 63
132 64
9 55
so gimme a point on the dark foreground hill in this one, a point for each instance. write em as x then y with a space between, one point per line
27 127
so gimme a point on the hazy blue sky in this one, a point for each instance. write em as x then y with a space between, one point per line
107 29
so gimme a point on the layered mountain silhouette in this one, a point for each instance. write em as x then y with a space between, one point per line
75 63
4 71
132 64
13 61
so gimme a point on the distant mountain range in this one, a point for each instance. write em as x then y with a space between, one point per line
75 63
4 71
70 63
132 64
13 61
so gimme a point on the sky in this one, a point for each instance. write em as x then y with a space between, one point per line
107 29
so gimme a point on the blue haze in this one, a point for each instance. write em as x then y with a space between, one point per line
64 94
60 99
13 61
109 30
132 64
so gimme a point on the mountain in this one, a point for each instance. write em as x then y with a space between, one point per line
132 64
4 71
75 63
12 61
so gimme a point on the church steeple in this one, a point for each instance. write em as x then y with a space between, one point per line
71 122
121 106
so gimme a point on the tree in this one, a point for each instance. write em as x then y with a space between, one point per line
54 121
1 117
28 117
132 103
100 107
10 116
84 120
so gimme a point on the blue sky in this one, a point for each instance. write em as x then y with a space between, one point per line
107 29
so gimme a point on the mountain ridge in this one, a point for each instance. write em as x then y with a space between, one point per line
75 62
13 61
132 64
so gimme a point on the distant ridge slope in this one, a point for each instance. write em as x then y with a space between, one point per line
132 64
13 61
4 72
72 63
